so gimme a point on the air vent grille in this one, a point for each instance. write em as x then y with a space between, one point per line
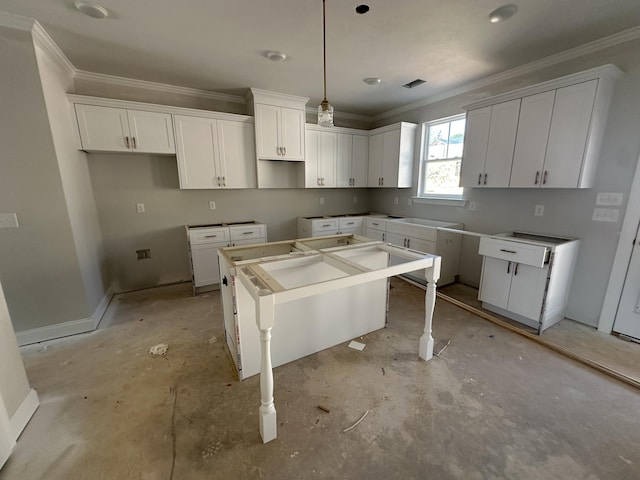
414 83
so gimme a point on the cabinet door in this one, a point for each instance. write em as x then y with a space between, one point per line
390 158
527 290
205 263
531 140
151 132
237 159
375 234
196 152
421 245
344 160
502 139
475 147
375 160
568 134
360 161
396 239
328 152
312 159
292 133
103 128
267 120
496 281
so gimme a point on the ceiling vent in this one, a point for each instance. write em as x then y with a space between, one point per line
414 83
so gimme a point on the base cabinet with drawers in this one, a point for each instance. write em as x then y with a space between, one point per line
323 226
205 240
526 277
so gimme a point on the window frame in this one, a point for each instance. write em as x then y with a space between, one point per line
439 198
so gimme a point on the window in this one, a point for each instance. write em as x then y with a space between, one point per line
441 158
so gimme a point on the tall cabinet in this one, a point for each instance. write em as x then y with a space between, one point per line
391 150
544 136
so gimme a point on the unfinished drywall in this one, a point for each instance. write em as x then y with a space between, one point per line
39 268
74 173
567 211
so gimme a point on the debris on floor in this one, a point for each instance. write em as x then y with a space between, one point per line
323 408
159 349
213 339
383 372
356 345
356 424
440 346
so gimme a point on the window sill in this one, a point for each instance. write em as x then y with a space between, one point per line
452 202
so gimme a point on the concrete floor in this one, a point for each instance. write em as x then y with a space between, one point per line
494 405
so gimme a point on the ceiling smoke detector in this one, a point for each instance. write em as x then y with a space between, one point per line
276 56
91 9
503 13
414 83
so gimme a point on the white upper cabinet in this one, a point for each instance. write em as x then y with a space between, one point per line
489 143
391 151
558 131
352 161
110 129
320 164
214 153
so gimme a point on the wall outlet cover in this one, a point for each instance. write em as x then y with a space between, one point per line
321 200
609 199
9 220
539 210
212 205
472 206
140 208
605 215
395 200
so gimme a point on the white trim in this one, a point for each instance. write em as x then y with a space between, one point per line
591 47
622 257
42 39
156 86
347 116
453 202
16 21
24 413
98 313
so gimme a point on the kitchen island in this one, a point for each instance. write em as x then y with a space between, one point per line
344 274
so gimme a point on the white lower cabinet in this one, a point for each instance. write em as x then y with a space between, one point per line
214 153
527 278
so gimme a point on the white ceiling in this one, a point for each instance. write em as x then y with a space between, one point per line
219 45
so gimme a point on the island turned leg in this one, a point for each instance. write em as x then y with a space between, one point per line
267 411
426 340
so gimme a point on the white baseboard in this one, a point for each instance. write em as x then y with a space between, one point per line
23 414
64 329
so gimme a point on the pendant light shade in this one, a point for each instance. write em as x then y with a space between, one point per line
325 110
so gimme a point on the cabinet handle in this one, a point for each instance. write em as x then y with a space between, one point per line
327 225
323 181
515 270
133 140
224 182
507 251
248 233
382 181
284 151
485 179
210 236
318 181
383 235
350 223
408 243
126 141
479 179
537 177
544 178
376 224
218 180
509 267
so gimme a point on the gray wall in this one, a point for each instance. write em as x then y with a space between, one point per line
567 211
39 269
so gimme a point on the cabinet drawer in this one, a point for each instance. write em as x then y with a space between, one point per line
528 254
376 223
324 225
412 230
350 222
248 232
208 235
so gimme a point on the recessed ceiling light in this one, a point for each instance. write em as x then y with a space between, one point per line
505 12
362 9
276 56
372 80
91 9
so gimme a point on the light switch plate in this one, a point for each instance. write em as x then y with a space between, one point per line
8 220
609 199
321 200
605 215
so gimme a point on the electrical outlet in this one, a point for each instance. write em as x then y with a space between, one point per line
355 199
212 205
539 211
140 208
605 215
143 254
395 200
321 200
609 199
8 220
409 201
472 206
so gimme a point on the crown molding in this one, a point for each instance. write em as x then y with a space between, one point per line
155 86
591 47
16 21
345 115
42 39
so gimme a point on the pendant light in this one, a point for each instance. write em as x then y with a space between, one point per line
325 110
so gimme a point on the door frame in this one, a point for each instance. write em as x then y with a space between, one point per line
622 257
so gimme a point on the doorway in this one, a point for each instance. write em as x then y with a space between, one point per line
627 321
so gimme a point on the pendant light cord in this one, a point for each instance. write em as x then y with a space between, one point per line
324 49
